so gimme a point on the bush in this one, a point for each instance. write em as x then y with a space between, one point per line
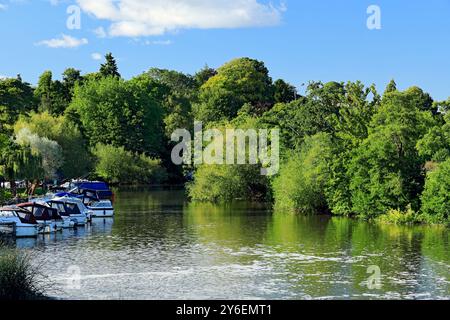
19 279
221 183
436 196
118 166
398 217
301 184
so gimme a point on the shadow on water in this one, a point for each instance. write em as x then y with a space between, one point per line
159 246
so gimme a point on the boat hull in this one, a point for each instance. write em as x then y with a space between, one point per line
102 212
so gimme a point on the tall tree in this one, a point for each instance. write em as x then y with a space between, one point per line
120 113
284 92
238 82
202 76
16 98
51 94
109 68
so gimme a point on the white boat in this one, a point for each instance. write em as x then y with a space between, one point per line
47 216
72 208
18 222
102 209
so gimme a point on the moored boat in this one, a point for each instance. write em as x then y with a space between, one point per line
102 209
71 207
18 222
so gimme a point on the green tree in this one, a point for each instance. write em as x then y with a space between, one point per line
51 94
77 161
386 170
202 76
436 196
238 82
300 186
284 92
120 113
116 165
109 68
16 98
391 87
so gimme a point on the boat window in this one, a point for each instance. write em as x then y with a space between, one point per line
39 212
6 214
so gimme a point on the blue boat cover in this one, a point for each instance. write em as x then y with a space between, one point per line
94 186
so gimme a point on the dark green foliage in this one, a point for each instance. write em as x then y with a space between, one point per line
436 196
16 98
301 183
19 279
284 92
109 68
386 170
120 113
238 82
116 165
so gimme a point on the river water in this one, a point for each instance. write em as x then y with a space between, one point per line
161 247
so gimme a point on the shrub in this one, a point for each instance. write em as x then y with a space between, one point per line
220 183
398 217
436 196
19 279
118 165
301 184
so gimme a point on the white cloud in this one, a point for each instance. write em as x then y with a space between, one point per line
100 32
64 42
134 18
96 56
3 6
159 42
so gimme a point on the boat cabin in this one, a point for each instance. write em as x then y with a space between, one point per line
41 212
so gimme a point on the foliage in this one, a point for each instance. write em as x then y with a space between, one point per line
120 113
436 195
48 150
16 98
238 82
284 92
116 165
399 217
75 154
300 185
109 68
221 183
386 170
19 279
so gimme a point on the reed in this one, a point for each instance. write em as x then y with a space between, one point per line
19 278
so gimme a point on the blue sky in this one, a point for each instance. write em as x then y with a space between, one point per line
298 40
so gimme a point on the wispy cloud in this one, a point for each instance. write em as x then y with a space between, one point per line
3 6
158 42
64 42
100 32
135 18
96 56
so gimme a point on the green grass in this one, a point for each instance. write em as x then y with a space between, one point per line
19 278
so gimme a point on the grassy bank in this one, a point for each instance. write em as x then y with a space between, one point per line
19 278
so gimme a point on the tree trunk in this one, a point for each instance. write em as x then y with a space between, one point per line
13 187
33 187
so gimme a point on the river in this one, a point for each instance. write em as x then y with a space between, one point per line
161 247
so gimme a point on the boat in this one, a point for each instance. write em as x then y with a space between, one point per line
88 191
101 209
19 222
71 207
95 195
47 216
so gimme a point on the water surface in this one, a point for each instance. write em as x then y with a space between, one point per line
161 247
